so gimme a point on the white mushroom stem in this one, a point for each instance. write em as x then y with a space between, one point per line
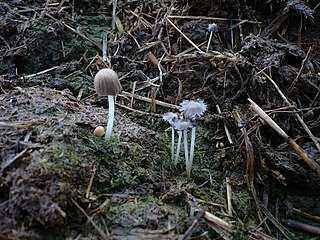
193 141
178 148
172 143
186 153
110 117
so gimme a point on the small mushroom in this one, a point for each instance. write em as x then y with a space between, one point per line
192 109
171 117
99 131
106 83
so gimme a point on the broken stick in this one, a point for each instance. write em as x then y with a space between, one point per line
311 163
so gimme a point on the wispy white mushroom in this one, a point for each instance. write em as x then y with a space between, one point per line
212 28
192 109
182 125
171 117
106 83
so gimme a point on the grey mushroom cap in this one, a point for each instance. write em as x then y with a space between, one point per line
170 117
183 124
106 82
192 109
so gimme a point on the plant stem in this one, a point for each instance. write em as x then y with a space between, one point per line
178 148
110 117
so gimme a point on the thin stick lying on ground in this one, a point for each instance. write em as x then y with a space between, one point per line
301 226
229 196
114 9
138 111
188 39
99 230
223 228
311 163
75 31
250 169
299 73
306 215
7 163
193 227
210 18
39 73
91 181
225 126
160 103
316 143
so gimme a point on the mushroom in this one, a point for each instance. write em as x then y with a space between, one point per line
99 131
192 109
106 83
171 117
182 125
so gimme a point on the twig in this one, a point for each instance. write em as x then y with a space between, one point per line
114 9
145 99
20 124
310 134
209 18
225 126
193 226
39 73
276 223
311 163
223 228
229 196
77 32
91 181
204 56
188 39
306 215
7 163
134 84
249 151
299 73
301 226
138 111
99 230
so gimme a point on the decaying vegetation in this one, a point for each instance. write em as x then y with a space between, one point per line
255 172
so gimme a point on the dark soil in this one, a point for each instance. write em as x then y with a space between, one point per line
60 181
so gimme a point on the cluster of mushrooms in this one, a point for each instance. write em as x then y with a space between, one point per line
189 110
106 83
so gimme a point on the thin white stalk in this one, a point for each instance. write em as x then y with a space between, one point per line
209 42
178 148
193 141
110 117
172 143
186 153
